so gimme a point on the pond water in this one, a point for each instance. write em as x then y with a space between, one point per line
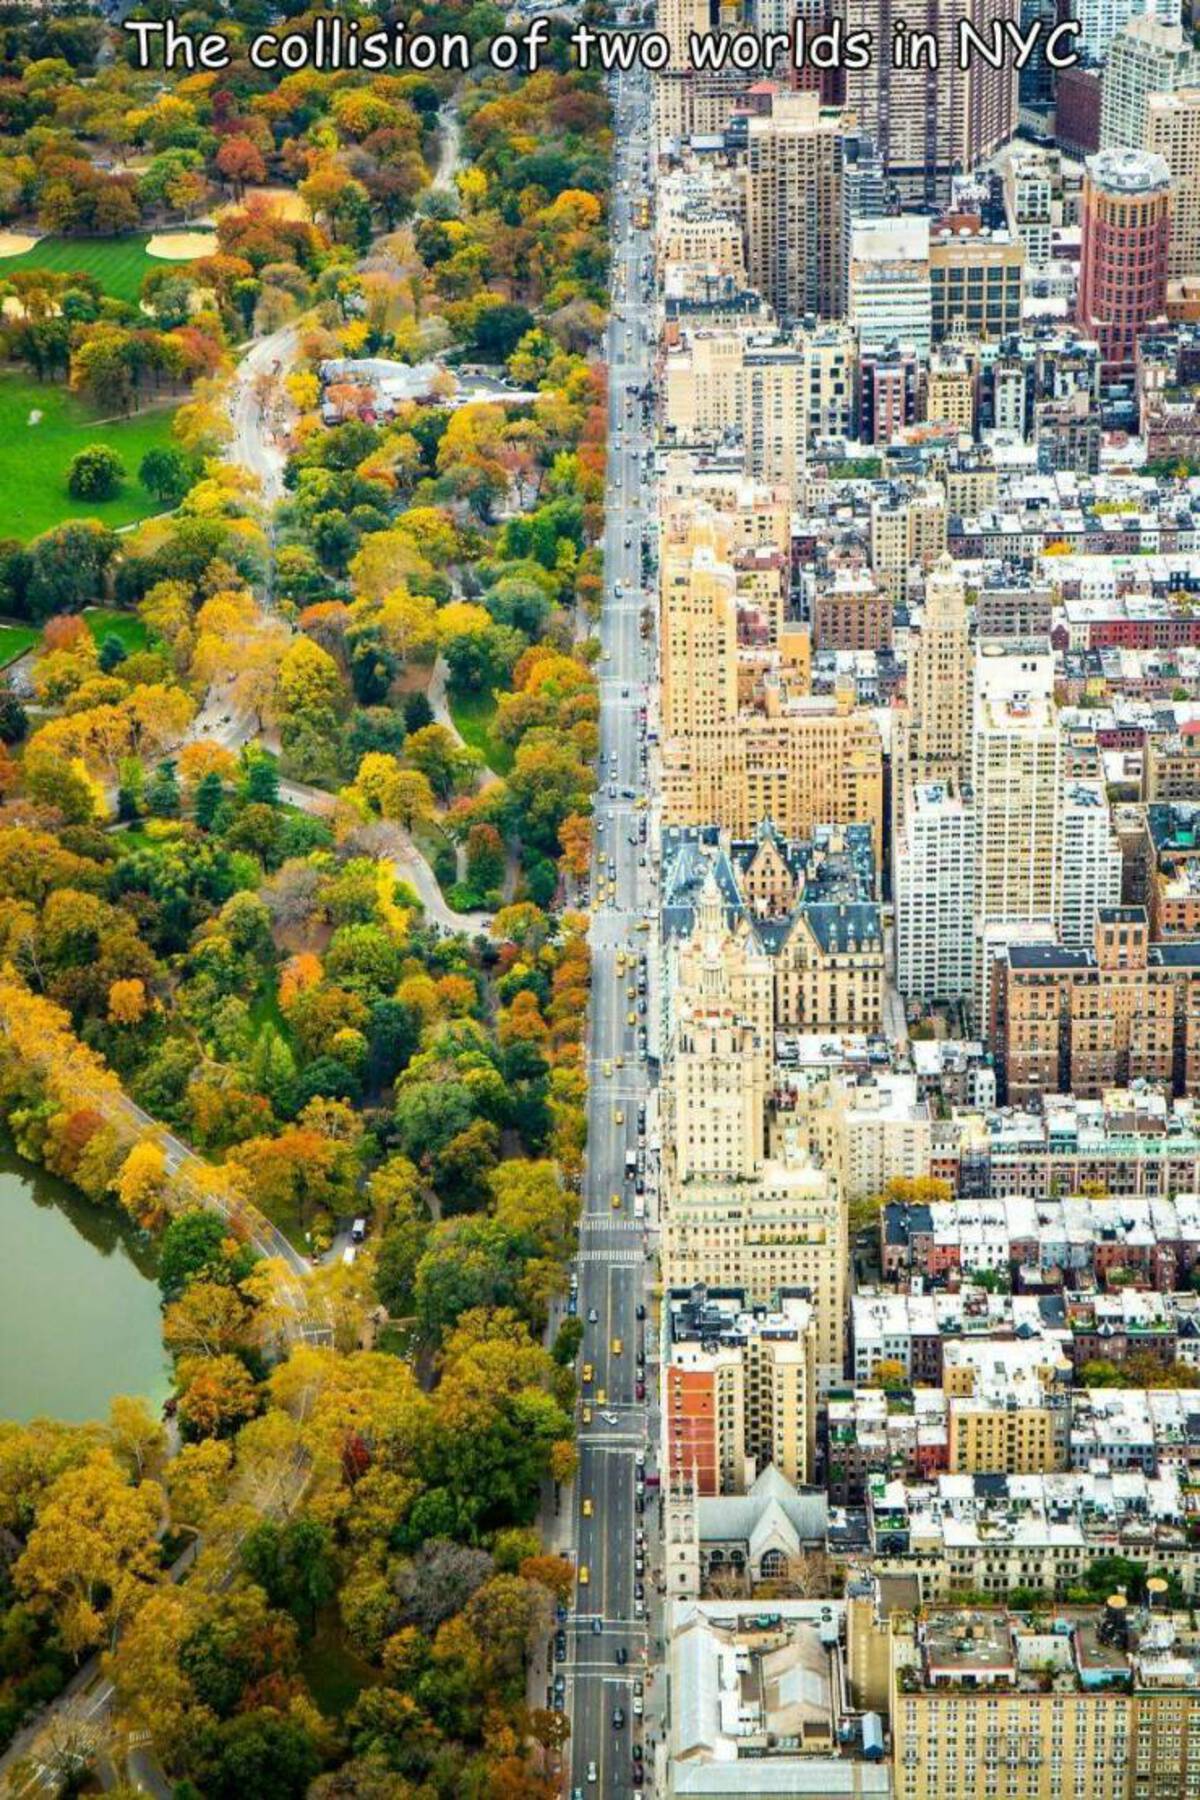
79 1305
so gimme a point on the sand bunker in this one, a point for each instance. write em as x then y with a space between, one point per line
15 243
182 246
284 201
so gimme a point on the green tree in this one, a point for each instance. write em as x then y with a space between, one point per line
95 473
166 472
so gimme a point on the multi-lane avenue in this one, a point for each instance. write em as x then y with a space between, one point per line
608 1633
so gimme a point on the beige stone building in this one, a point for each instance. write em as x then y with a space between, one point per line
786 1228
798 760
950 391
1173 132
1099 1703
939 678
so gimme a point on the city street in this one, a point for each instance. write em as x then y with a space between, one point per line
613 1268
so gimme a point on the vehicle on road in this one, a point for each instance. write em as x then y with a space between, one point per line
617 1346
585 1575
587 1509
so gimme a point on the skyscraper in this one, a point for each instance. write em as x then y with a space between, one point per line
1146 58
1173 132
930 123
1123 263
794 206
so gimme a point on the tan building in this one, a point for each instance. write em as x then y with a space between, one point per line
786 1228
739 1390
1008 1411
950 391
975 281
1100 1704
774 394
1075 1020
793 206
908 530
939 678
798 761
1171 766
1173 132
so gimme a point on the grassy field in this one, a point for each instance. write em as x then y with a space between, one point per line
15 640
119 264
473 714
34 459
103 621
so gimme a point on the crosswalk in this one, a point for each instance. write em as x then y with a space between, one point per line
613 1257
603 1222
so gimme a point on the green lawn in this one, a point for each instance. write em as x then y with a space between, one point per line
34 458
119 264
103 621
15 640
473 714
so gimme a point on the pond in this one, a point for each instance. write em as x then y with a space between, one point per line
79 1305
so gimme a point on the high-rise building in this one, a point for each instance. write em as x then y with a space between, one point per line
786 1229
739 1389
939 682
1145 58
1123 262
889 283
930 123
864 195
699 623
1102 1703
1102 20
950 391
1029 182
1173 132
794 206
1016 782
934 882
1090 870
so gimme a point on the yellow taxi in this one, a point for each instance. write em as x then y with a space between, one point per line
587 1415
631 991
585 1575
618 1117
620 962
643 925
631 1018
616 1202
617 1346
587 1509
602 1398
620 1062
587 1373
608 1068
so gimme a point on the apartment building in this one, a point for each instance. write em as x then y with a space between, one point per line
930 123
1172 131
1104 1705
1083 1020
739 1389
1145 58
794 206
784 1228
